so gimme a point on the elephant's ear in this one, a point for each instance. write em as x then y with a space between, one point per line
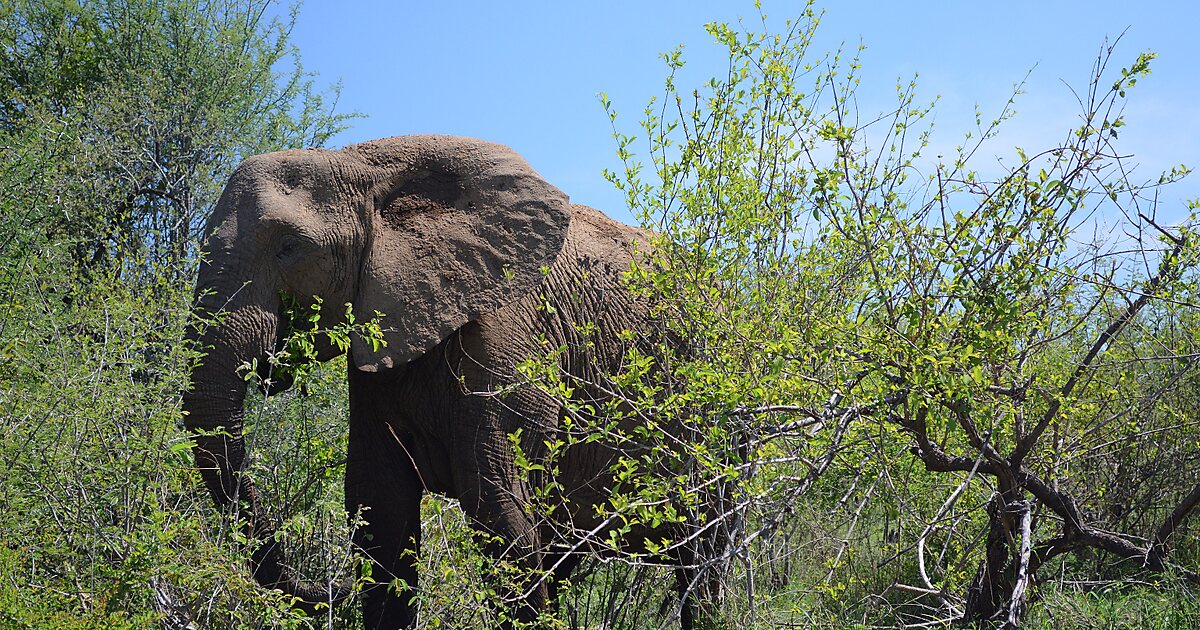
462 228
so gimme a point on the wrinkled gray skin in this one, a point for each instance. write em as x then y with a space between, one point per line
451 238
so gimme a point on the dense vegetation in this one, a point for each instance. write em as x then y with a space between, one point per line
119 122
920 390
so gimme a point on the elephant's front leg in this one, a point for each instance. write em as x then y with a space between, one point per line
494 494
383 485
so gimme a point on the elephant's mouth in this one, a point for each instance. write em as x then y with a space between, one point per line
274 378
276 371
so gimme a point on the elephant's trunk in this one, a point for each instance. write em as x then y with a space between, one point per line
214 416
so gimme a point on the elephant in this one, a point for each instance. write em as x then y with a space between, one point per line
473 262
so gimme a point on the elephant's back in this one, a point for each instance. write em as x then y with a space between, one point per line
609 241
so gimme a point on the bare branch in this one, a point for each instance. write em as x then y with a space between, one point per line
1158 547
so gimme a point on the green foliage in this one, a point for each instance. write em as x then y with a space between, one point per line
102 524
141 109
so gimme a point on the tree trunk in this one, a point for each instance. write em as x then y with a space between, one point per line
991 591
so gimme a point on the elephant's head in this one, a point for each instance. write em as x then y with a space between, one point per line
431 231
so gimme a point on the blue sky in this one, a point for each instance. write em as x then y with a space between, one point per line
527 74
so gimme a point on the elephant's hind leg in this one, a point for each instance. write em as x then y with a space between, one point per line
382 484
699 591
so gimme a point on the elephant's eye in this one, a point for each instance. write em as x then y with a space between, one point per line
289 247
